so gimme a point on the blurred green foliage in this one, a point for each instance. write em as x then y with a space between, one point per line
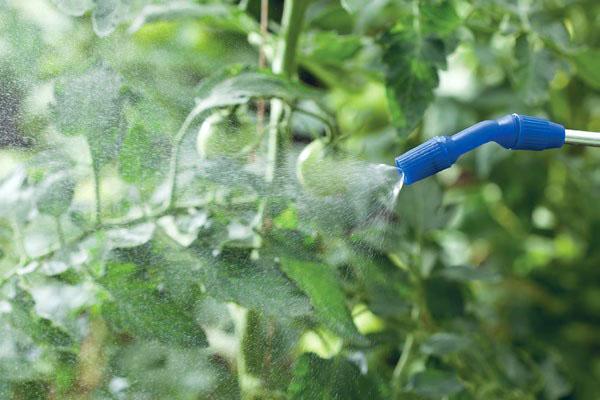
133 268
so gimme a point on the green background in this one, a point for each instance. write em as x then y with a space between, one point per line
480 283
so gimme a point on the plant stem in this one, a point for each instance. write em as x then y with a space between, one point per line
19 240
174 162
85 234
60 232
273 139
291 27
397 375
264 24
262 62
96 170
284 63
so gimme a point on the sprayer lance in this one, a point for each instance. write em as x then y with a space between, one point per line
584 138
514 132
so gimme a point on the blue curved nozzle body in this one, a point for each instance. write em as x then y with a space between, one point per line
515 132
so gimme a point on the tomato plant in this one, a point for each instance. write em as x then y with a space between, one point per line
192 204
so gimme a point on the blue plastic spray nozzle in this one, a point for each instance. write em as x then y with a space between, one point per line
515 132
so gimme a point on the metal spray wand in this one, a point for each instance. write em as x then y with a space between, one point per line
514 132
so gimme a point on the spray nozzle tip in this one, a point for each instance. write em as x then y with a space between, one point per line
426 159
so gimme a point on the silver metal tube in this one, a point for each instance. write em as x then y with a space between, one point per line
582 137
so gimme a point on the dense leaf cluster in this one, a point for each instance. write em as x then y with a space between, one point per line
133 268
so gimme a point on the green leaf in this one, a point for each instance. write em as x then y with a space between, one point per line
411 77
91 104
386 287
536 70
551 28
53 267
320 283
41 330
587 62
438 17
132 236
444 343
434 384
223 90
138 157
96 250
138 308
5 391
34 389
23 44
421 206
267 348
257 285
555 385
13 197
352 6
177 269
213 314
157 371
287 219
465 273
184 229
55 194
75 8
445 299
107 15
237 19
337 378
330 47
413 53
145 151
